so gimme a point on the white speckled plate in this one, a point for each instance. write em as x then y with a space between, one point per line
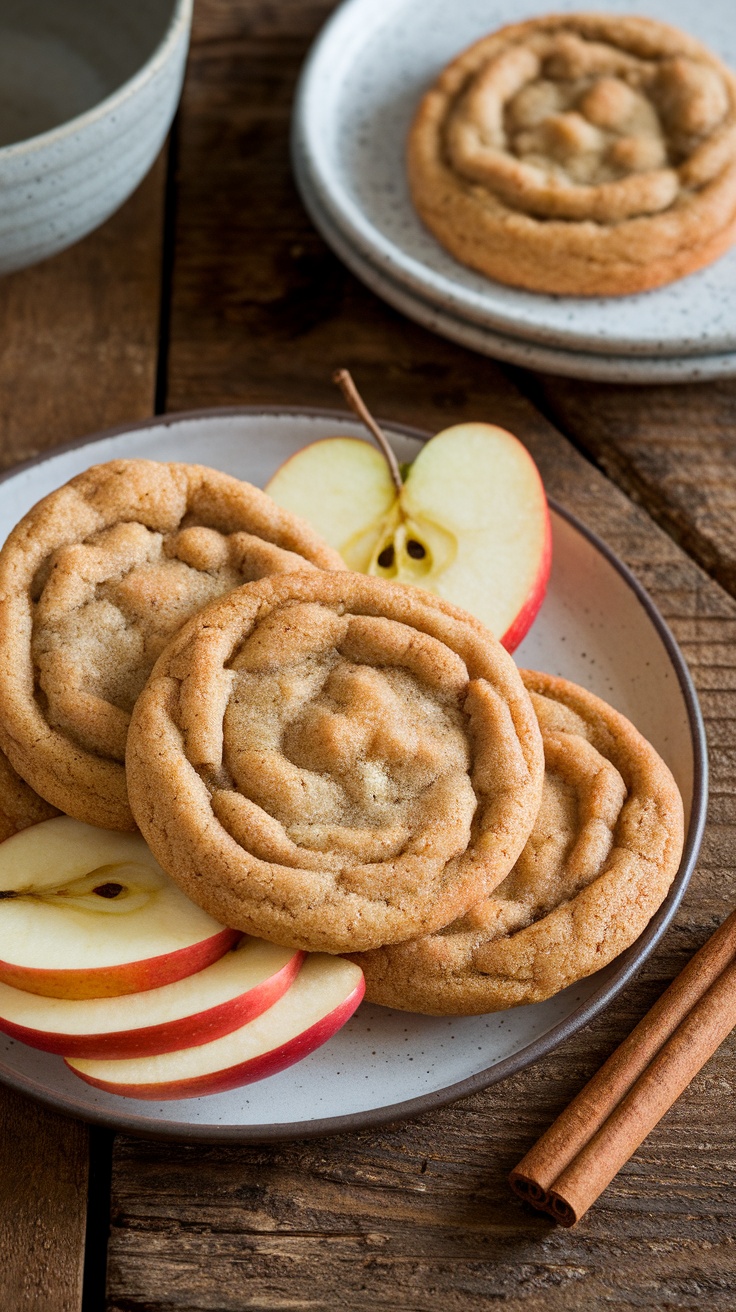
597 627
530 355
360 86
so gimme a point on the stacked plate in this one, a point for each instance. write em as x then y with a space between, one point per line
357 95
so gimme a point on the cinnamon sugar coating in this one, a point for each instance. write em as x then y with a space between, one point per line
603 852
582 154
334 762
94 581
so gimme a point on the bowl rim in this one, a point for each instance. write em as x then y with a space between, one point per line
629 962
179 23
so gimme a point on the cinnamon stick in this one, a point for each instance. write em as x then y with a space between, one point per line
585 1147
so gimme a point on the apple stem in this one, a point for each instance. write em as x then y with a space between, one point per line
344 381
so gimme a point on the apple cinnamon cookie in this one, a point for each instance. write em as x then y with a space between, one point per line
94 581
604 850
581 154
333 761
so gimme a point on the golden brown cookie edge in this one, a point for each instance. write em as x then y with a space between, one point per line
397 976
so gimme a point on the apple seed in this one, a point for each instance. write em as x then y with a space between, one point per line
415 549
108 890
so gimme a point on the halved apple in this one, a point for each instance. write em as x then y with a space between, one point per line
202 1007
324 995
471 523
87 913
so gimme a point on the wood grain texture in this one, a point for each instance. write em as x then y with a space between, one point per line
43 1208
416 1216
80 343
673 449
80 332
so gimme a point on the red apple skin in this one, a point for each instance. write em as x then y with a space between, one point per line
130 977
152 1040
523 621
258 1068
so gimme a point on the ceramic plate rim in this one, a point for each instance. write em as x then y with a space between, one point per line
635 370
629 961
408 269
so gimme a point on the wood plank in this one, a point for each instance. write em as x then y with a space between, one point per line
80 342
419 1217
43 1196
416 1216
80 332
671 448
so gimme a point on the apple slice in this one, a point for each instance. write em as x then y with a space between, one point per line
86 913
470 524
202 1007
324 995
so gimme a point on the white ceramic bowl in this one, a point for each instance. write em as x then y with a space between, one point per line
88 89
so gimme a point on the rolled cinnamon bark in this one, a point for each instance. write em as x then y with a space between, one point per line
585 1147
694 1041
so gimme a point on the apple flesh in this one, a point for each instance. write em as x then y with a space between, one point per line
471 523
70 892
222 997
324 995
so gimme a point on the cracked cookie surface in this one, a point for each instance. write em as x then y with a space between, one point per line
93 582
334 762
603 852
581 154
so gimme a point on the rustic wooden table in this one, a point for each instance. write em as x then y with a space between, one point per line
211 287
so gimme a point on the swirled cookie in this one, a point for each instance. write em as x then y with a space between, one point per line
583 154
333 761
605 848
20 807
94 581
